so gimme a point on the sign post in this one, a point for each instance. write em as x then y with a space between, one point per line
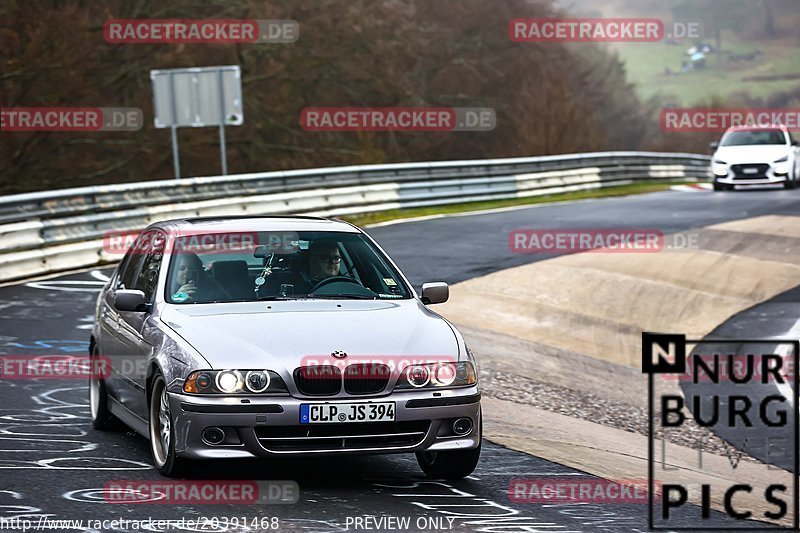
196 98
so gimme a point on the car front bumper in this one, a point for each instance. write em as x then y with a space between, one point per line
770 180
270 425
749 174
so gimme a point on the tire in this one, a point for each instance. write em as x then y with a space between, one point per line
162 439
102 419
450 465
720 186
789 184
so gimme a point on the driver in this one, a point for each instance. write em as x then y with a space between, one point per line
324 261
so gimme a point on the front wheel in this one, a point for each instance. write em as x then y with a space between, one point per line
451 464
720 186
162 432
789 184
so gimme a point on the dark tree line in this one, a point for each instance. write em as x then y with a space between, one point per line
549 98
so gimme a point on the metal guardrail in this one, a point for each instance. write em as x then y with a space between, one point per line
60 230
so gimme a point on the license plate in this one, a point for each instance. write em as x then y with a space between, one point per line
750 170
329 413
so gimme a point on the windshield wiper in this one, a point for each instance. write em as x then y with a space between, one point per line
343 296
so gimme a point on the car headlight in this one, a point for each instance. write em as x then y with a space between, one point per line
435 375
782 159
234 382
719 167
257 381
229 381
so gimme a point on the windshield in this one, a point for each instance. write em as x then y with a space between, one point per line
741 138
227 267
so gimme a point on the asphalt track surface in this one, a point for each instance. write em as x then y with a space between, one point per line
53 465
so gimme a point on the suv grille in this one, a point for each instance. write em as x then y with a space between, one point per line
322 380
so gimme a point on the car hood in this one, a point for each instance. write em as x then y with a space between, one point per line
283 335
751 154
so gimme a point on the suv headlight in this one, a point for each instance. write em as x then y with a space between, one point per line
782 159
719 162
234 382
437 375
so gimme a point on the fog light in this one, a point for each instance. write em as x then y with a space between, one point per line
213 435
462 426
782 170
418 376
720 171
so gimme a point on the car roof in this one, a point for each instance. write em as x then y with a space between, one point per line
758 127
251 223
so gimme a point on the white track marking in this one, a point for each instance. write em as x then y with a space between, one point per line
96 274
69 286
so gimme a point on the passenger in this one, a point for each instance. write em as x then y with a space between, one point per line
192 283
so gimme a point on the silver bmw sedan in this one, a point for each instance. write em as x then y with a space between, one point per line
236 337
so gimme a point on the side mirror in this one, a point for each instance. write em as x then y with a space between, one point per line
713 145
129 300
435 293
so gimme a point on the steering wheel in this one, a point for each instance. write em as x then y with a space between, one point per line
333 279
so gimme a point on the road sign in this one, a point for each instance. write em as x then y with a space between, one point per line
196 98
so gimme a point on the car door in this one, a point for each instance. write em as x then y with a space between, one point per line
134 349
109 343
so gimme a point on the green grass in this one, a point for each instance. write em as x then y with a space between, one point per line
620 190
645 63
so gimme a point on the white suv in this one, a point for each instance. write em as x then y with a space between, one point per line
755 155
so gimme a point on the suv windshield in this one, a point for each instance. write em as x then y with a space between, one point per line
741 138
226 267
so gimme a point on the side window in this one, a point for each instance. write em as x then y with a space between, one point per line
148 273
132 263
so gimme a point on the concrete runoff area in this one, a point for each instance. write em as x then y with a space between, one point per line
598 303
576 320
